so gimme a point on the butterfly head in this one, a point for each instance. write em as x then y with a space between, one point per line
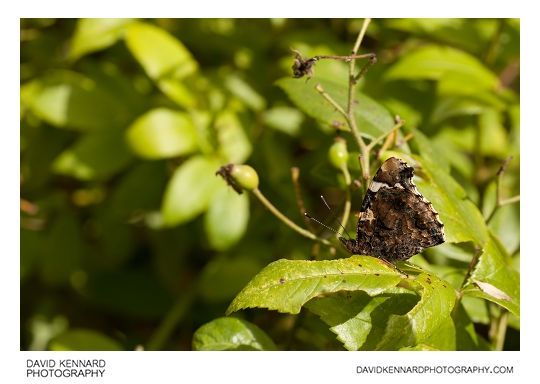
350 244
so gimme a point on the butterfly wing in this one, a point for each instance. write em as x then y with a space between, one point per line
396 224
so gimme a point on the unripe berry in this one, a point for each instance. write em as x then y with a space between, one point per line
245 176
338 154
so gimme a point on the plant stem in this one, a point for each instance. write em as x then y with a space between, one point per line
285 219
502 324
347 208
295 175
334 103
398 125
171 320
500 201
351 57
471 266
364 159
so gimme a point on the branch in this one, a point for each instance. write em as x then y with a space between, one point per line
285 219
500 201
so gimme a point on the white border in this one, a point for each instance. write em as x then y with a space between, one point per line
277 367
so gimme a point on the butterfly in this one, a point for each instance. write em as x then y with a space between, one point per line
395 221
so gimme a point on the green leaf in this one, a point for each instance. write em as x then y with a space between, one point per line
443 338
160 54
284 119
466 337
450 106
162 133
227 218
493 137
358 319
190 190
468 34
372 118
394 319
95 34
425 147
164 58
70 100
234 144
96 156
286 285
241 89
433 62
462 220
494 279
431 312
83 340
231 334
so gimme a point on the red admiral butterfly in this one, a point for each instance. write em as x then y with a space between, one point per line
396 221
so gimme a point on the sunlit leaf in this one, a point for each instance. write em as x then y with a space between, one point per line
95 34
245 92
234 143
432 62
190 190
284 119
164 58
371 117
358 319
492 135
285 285
494 279
227 217
162 133
462 219
160 54
464 33
443 337
83 340
431 312
394 319
73 101
231 334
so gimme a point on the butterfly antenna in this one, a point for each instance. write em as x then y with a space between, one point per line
324 225
337 221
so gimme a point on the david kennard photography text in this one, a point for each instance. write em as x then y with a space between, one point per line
65 368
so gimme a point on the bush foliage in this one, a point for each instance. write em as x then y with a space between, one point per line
130 240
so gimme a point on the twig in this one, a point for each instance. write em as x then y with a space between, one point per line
350 102
491 54
398 125
500 333
471 266
500 201
372 60
295 174
347 208
334 103
172 319
285 219
347 58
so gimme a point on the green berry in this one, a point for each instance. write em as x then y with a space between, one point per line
245 176
338 154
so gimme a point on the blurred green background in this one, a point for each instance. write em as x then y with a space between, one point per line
129 239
